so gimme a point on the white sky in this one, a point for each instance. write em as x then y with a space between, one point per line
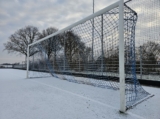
16 14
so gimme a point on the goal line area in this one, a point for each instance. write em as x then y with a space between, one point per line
99 50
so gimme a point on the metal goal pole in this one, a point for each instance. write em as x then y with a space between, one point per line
121 57
93 35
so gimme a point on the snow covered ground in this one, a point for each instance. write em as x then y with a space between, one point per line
51 98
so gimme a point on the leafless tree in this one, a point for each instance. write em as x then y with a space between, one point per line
19 41
150 55
151 51
74 49
73 45
51 45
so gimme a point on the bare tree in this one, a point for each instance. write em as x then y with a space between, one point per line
151 51
73 45
19 41
150 55
50 45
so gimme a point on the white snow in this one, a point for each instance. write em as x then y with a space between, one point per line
52 98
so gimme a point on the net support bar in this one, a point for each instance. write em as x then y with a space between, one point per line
121 57
27 61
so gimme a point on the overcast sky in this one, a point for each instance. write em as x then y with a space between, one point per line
16 14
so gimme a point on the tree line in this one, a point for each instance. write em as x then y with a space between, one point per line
19 41
75 51
69 42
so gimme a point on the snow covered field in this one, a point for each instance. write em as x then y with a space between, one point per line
51 98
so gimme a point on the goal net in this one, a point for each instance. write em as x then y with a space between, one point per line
147 38
88 52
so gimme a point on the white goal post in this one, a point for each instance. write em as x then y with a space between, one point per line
121 57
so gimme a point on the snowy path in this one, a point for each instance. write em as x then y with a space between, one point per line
51 98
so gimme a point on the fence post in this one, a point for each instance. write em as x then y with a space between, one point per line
141 62
79 64
102 44
27 61
64 61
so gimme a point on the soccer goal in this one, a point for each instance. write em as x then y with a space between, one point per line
99 50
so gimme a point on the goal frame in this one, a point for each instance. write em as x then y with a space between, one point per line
119 4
